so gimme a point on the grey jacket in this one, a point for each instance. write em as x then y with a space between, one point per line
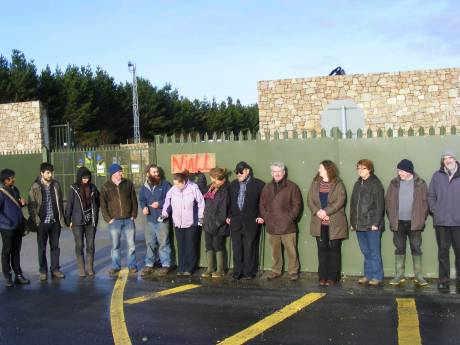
35 204
444 198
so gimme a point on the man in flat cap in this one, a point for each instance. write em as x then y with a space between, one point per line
119 209
444 203
245 221
407 209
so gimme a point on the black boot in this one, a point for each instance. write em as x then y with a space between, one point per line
8 281
19 279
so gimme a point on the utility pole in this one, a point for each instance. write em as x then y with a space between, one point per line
137 133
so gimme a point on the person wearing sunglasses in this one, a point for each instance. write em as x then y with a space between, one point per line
244 220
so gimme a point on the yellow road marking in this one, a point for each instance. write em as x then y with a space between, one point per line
161 293
117 314
408 324
273 319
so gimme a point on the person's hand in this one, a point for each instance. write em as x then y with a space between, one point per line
321 214
260 220
155 204
200 221
111 221
326 218
227 221
374 227
22 201
145 211
161 219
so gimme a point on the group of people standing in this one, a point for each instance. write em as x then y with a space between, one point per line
236 209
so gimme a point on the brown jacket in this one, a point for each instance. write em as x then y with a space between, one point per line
338 225
280 210
419 205
118 202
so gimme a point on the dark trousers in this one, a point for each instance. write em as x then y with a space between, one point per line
52 232
187 248
214 242
11 249
400 237
244 245
329 256
448 236
81 233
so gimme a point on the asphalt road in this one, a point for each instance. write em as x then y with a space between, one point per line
81 310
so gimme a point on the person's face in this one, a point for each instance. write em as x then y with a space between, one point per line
404 175
180 185
9 181
216 181
277 173
241 175
154 172
322 172
47 175
85 180
363 172
118 175
449 162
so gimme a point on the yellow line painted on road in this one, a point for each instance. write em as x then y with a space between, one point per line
117 314
408 324
270 321
153 295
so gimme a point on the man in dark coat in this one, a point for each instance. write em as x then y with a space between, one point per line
245 221
443 200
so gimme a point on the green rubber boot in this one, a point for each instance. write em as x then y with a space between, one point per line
211 264
418 275
400 262
220 272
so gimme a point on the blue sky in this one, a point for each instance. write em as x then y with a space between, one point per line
222 48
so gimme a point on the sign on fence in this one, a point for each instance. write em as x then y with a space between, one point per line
193 162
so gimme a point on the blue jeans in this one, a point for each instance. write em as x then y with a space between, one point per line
369 243
157 234
117 229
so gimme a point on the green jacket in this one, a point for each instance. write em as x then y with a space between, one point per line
118 202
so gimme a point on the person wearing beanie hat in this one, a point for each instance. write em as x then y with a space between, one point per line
114 168
407 210
444 204
119 209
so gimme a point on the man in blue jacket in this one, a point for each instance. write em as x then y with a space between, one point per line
151 198
443 200
11 228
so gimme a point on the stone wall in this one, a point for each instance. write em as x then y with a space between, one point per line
23 127
389 100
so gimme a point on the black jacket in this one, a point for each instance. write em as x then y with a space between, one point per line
74 208
367 207
245 219
216 213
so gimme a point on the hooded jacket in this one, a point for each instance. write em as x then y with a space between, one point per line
11 217
216 212
36 207
74 208
419 205
443 198
367 206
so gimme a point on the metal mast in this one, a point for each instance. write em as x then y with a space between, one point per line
137 133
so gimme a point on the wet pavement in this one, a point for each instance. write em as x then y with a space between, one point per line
78 310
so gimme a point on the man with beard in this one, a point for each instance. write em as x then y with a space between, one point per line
151 198
443 200
47 211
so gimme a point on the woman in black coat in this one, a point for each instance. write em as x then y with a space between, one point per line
214 223
81 215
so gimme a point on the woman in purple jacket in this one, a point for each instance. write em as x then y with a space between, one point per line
186 203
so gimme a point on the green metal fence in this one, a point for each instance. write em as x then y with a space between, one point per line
300 151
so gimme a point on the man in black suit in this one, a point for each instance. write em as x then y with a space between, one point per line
244 221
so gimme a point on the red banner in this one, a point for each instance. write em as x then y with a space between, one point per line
193 162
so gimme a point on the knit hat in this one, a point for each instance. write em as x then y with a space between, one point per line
114 168
448 152
406 165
